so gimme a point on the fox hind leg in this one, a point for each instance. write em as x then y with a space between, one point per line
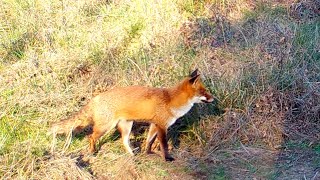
99 130
125 128
96 134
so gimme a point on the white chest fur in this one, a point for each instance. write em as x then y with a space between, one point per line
180 111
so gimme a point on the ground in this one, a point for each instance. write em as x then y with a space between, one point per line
260 59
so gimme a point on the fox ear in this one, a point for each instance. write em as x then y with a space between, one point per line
194 73
194 79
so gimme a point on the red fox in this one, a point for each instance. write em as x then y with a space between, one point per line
160 107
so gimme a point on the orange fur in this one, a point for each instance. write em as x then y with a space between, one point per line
160 107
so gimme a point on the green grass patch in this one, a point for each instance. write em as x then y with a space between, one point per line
265 9
16 130
219 173
317 148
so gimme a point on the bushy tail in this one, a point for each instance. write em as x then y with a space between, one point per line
74 124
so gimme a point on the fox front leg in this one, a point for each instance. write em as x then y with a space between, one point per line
162 137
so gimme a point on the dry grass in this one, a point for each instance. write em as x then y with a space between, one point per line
260 59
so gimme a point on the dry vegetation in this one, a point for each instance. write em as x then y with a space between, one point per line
261 59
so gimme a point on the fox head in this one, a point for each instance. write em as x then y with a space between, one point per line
197 88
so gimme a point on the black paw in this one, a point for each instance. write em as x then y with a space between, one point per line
169 158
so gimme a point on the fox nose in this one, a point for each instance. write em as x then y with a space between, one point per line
207 99
210 100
